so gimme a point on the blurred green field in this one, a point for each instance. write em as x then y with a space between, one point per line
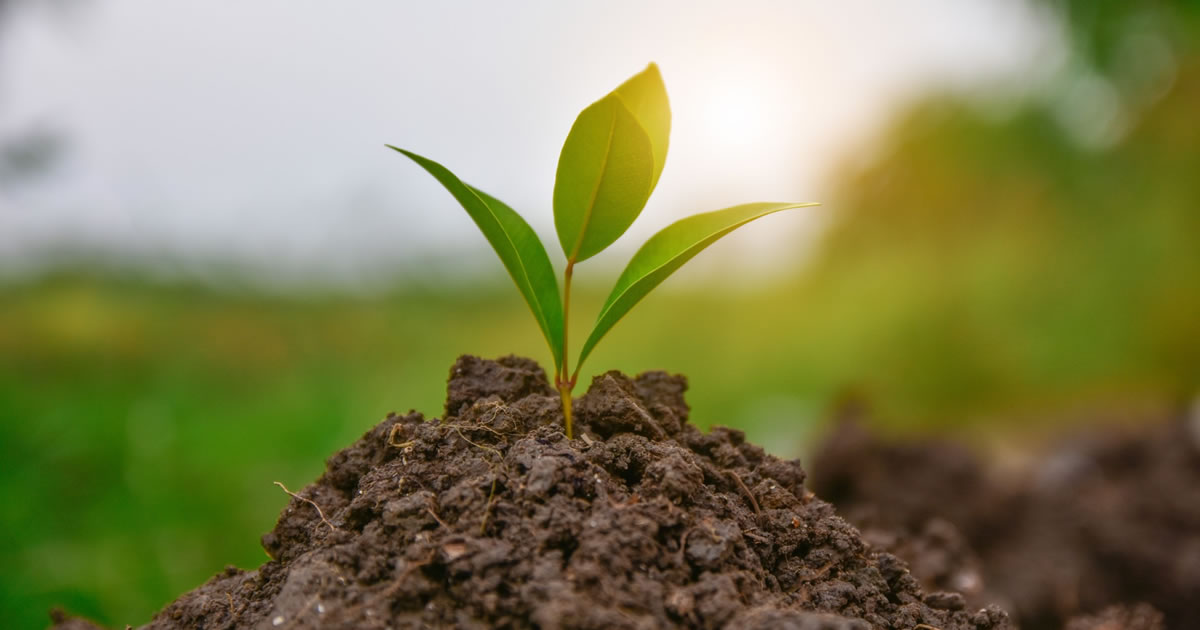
143 425
988 272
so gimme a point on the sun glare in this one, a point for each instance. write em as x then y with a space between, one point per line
734 118
735 111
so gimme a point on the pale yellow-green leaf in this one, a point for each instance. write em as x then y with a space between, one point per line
646 97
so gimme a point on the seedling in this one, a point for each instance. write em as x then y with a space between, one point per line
609 165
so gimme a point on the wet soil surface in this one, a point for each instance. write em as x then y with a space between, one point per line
490 517
1102 519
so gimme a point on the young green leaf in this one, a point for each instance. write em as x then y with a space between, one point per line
665 252
646 97
517 245
605 173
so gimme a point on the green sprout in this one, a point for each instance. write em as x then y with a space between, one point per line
609 165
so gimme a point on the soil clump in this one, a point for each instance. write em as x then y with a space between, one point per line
1103 518
491 518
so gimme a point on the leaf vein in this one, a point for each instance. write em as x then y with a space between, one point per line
587 215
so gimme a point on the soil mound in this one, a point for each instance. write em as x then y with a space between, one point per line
1103 518
490 517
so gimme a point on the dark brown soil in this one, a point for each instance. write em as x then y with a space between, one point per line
490 517
1139 617
1104 518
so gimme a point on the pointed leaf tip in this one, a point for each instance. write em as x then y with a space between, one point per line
645 95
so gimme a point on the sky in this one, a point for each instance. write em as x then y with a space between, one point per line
252 133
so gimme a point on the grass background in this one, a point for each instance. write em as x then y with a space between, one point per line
145 424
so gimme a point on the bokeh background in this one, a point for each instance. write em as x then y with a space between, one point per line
213 275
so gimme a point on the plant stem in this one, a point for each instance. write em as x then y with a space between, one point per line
564 392
563 380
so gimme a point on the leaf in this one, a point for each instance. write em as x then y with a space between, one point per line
665 252
646 97
605 173
517 245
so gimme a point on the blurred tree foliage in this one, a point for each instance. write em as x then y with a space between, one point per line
1045 255
1108 33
